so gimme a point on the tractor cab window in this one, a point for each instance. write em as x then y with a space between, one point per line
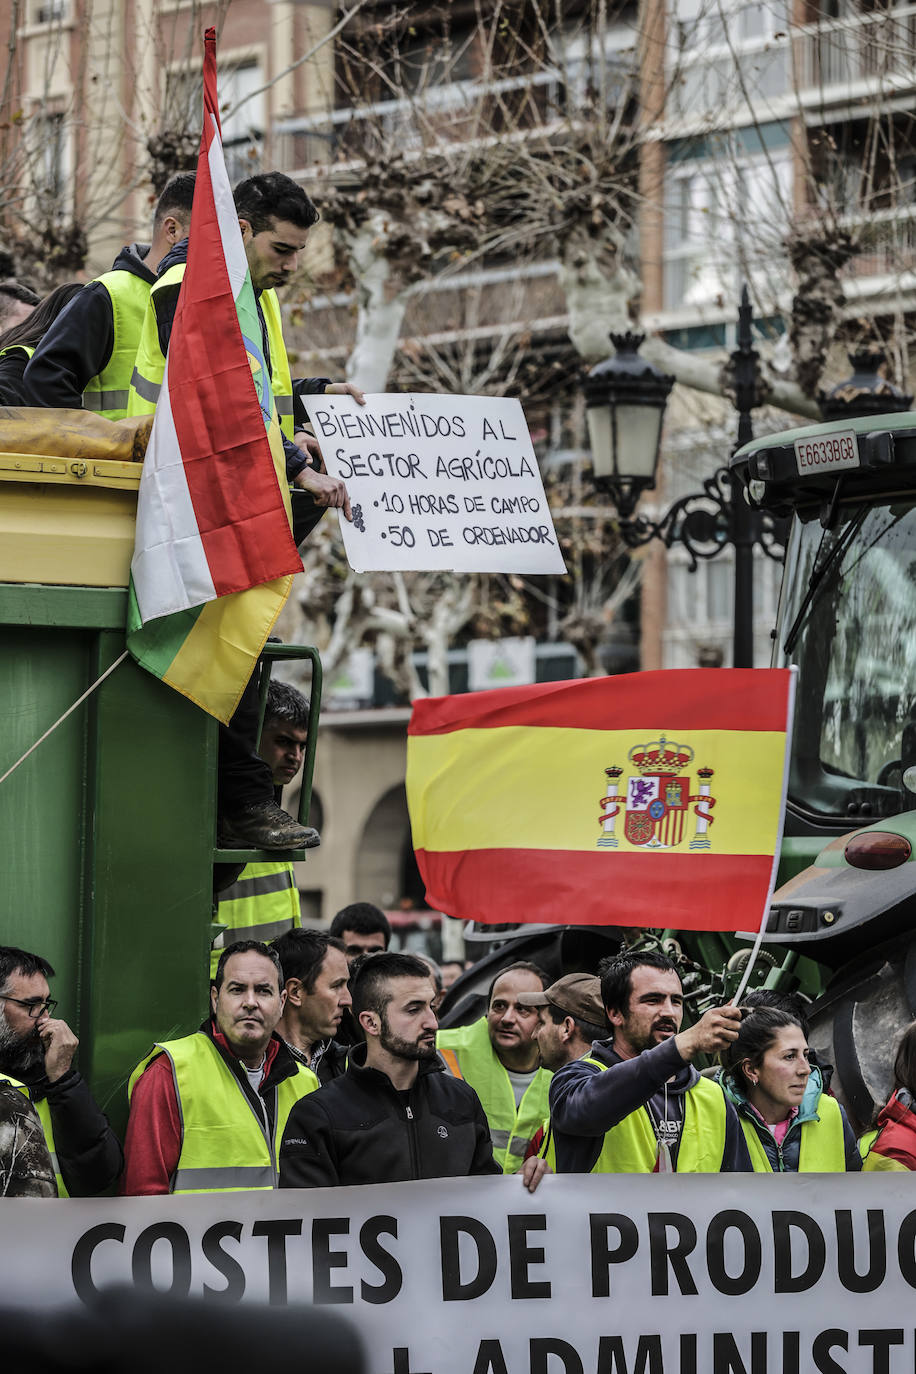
848 621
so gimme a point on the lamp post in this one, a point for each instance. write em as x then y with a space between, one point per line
625 398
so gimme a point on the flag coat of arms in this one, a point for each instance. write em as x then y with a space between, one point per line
214 553
648 799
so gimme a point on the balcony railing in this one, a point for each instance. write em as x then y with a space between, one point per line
837 56
451 112
887 241
863 49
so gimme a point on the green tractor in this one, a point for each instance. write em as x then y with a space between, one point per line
842 927
847 621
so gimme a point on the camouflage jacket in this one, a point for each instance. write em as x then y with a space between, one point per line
25 1164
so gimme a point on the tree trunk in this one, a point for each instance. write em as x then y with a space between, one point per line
380 309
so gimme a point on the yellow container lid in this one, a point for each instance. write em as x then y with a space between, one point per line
67 521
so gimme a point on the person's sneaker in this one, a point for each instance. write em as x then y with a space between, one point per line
264 825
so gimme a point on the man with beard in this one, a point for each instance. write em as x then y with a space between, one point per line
36 1055
207 1111
635 1103
395 1114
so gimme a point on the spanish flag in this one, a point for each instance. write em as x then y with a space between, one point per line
650 799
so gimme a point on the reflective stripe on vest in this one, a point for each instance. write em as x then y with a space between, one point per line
261 904
630 1147
280 379
224 1146
149 360
148 390
108 393
223 1180
17 348
822 1148
511 1129
44 1116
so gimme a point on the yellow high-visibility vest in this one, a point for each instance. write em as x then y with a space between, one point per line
280 379
224 1146
149 361
822 1149
262 904
631 1146
469 1054
108 393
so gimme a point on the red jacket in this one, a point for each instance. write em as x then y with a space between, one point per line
154 1131
897 1130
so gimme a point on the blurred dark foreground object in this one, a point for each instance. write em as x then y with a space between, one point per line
132 1332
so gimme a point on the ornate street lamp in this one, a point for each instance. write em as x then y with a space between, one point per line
625 398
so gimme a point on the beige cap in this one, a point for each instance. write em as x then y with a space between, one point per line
575 994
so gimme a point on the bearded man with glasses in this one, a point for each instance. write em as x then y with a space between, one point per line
36 1056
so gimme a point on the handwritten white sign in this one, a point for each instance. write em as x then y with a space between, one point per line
437 482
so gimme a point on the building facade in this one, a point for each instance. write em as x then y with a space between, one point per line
482 190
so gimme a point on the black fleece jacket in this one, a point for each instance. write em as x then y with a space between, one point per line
89 1153
12 371
360 1129
78 344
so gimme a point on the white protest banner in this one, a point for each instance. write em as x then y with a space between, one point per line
447 482
604 1274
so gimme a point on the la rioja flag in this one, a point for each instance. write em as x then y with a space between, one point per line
214 550
648 799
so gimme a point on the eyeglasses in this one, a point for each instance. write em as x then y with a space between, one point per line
34 1009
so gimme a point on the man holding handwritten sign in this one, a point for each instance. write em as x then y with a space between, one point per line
438 482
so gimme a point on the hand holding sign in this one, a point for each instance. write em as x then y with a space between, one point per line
437 482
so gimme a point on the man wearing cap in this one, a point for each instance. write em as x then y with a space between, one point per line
571 1016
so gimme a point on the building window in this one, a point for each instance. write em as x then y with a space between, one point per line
725 218
718 60
48 161
50 11
241 108
243 119
583 70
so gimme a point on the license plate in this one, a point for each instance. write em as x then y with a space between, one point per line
827 453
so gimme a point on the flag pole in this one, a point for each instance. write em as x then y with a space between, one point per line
755 948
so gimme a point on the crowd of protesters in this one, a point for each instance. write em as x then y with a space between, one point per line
312 1071
319 1061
